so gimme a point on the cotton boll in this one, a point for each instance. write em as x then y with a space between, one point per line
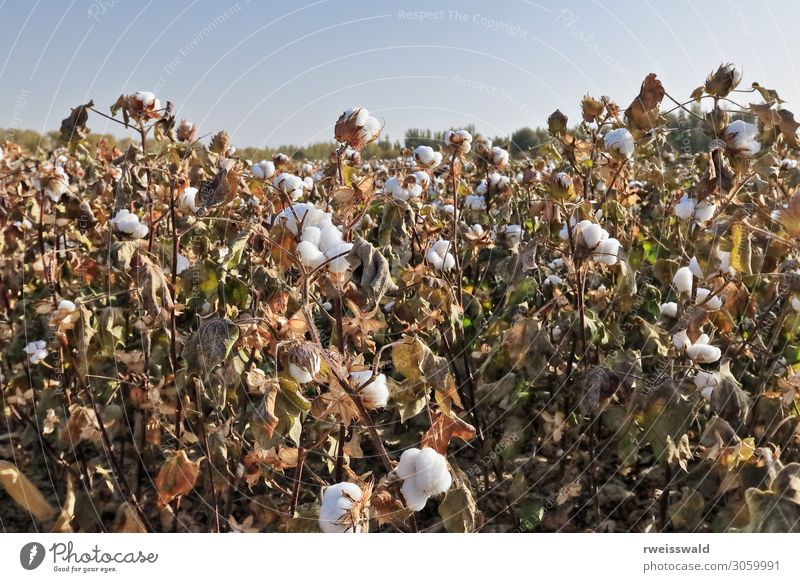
704 212
128 223
563 180
741 136
607 251
311 234
36 351
337 502
422 179
513 234
329 237
724 261
187 200
701 351
375 394
552 280
432 475
499 156
702 299
475 202
683 279
427 157
338 253
264 170
619 142
684 209
669 309
407 465
795 303
310 255
414 497
66 306
436 261
181 264
681 340
694 267
592 233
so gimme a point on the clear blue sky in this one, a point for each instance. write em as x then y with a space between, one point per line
280 72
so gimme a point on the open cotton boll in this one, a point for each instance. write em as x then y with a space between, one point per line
513 234
741 136
669 309
619 142
329 237
373 395
293 186
705 383
66 306
311 234
422 179
607 251
592 233
681 340
187 201
425 473
711 303
302 375
683 279
402 190
339 253
181 264
264 170
724 261
701 351
127 222
440 257
694 267
337 504
795 303
704 211
498 156
684 209
475 202
310 255
427 157
36 351
563 180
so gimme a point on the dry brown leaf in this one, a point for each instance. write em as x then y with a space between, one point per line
176 477
24 492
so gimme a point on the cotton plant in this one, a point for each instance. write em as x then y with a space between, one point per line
321 242
343 509
357 128
405 190
741 137
374 392
619 143
426 157
293 186
440 257
425 474
128 223
36 351
264 170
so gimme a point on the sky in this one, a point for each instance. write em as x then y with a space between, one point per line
281 72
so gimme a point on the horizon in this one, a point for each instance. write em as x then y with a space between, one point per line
412 66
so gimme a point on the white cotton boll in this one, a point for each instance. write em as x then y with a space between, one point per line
684 209
436 261
414 497
66 306
474 202
786 164
375 394
742 135
557 334
308 183
36 351
607 251
329 237
407 465
128 223
669 309
694 267
704 211
724 261
147 98
552 280
422 178
704 379
499 156
311 234
563 180
310 255
427 157
620 142
513 234
181 264
476 229
592 233
302 375
432 475
702 299
448 208
264 170
681 340
187 200
140 231
337 501
703 353
338 253
795 303
682 281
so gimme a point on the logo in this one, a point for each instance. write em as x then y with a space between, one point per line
31 555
